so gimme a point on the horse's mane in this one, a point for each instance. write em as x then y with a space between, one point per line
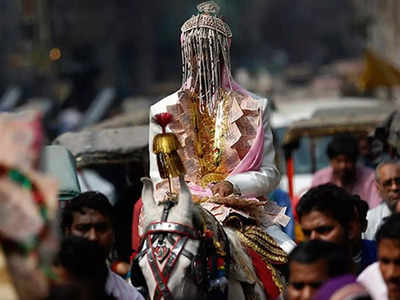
238 259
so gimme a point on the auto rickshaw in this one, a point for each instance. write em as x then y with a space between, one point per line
312 136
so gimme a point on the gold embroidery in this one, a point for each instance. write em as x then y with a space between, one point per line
209 134
262 250
254 238
264 240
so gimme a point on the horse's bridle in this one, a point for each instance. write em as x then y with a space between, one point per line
154 248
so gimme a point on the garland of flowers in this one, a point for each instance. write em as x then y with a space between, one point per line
31 245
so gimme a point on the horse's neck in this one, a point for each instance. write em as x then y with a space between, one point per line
241 268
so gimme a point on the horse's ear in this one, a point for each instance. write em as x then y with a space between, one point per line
185 203
147 193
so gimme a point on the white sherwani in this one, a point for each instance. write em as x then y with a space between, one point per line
249 184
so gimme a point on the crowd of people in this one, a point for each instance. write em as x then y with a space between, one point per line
355 208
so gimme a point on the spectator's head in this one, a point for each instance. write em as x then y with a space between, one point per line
343 152
388 240
327 212
359 226
311 264
388 182
364 146
90 215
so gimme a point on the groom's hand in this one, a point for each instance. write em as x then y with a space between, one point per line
223 188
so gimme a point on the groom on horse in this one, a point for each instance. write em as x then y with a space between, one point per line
225 144
224 130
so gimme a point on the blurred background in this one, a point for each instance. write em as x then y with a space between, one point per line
63 56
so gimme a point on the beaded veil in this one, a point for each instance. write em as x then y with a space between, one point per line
205 44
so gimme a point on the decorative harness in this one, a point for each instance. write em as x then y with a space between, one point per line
154 247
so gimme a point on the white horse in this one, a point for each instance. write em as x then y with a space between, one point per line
169 257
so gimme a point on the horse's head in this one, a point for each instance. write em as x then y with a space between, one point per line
181 213
170 243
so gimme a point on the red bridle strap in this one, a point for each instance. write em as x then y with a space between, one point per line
161 277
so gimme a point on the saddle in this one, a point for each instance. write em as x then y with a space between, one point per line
266 255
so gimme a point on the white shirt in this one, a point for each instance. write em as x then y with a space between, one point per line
375 217
281 238
372 280
120 289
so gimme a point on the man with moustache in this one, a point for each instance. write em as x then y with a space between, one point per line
388 185
343 153
327 212
382 278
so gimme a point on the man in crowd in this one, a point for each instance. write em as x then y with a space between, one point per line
343 152
311 264
383 278
90 215
388 184
327 212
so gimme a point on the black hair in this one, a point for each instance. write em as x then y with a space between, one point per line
65 292
85 260
329 199
390 229
338 261
344 144
91 199
362 209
